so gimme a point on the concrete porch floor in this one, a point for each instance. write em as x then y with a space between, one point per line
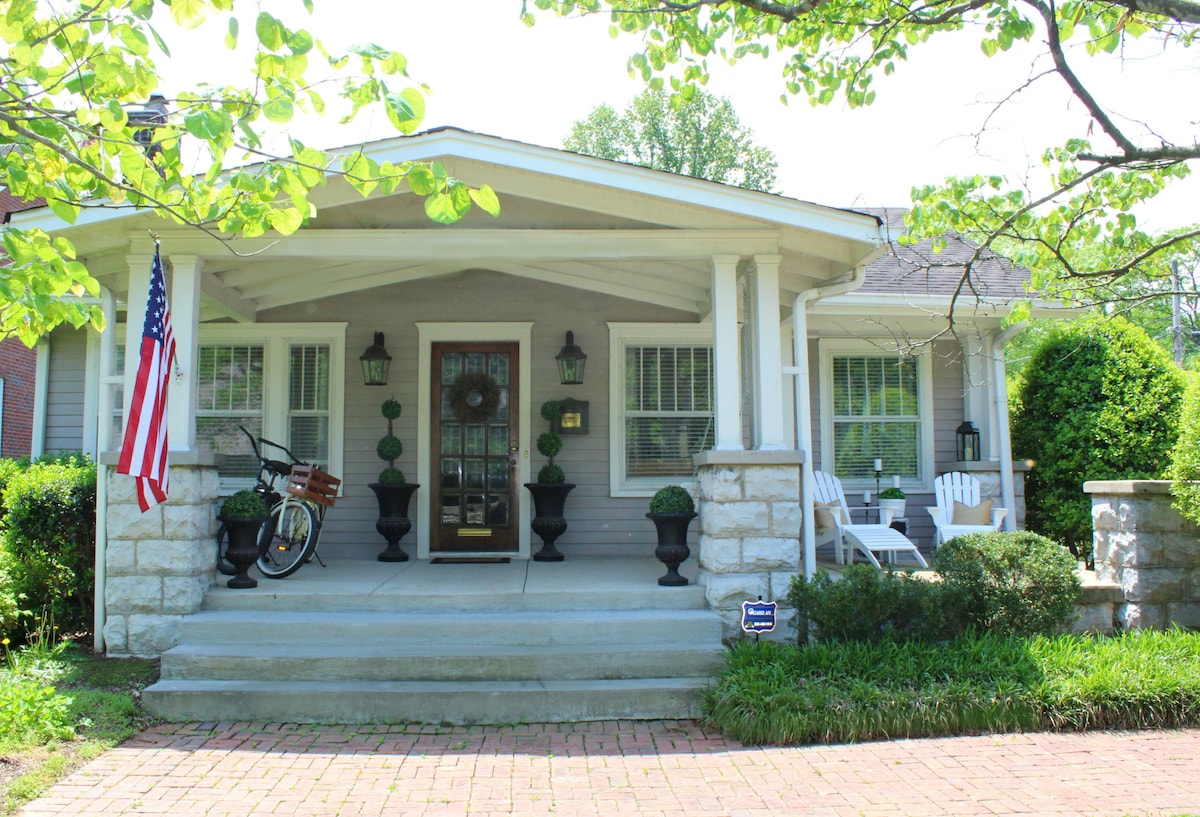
581 582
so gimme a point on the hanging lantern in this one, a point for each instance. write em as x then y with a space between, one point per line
375 363
571 361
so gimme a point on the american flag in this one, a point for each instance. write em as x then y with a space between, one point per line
144 450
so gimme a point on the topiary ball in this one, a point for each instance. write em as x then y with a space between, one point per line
391 476
389 448
551 475
391 409
245 504
551 410
549 443
672 499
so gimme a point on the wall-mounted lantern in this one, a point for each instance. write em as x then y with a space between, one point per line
375 363
967 436
571 361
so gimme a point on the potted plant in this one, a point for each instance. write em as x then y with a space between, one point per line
892 498
672 510
243 515
551 489
392 491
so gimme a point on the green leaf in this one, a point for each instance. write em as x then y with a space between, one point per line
485 198
421 180
188 13
269 31
440 208
406 110
278 110
66 211
231 36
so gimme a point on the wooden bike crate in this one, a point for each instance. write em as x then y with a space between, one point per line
312 483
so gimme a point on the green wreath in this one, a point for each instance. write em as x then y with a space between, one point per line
474 398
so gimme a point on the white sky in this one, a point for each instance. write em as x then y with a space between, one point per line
491 74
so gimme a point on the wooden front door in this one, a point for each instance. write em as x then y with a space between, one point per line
475 443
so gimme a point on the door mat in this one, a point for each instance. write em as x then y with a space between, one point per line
471 560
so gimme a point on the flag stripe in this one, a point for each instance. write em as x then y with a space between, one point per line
144 448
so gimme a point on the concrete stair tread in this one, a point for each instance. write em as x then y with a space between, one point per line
425 687
382 617
319 650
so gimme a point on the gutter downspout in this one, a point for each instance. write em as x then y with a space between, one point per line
1000 411
804 402
104 416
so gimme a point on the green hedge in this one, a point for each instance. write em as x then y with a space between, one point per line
1015 583
47 542
1100 400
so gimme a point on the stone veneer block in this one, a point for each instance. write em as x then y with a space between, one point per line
1134 616
761 553
772 483
183 594
724 519
152 635
719 555
120 557
1185 614
133 594
189 522
128 522
171 557
1094 618
728 591
1155 585
786 519
720 484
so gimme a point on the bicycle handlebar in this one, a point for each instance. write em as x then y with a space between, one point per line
258 454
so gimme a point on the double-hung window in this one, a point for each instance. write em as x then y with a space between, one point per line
281 381
662 403
875 405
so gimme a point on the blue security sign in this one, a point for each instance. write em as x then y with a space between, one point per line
758 616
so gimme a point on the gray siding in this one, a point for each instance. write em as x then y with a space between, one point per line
599 524
64 390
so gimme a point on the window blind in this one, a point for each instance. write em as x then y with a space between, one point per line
668 408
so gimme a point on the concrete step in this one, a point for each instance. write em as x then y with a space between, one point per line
452 628
277 595
425 701
426 662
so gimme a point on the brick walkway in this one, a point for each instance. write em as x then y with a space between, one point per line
632 769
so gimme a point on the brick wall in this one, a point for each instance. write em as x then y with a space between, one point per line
18 367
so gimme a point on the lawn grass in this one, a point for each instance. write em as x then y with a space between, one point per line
845 692
65 708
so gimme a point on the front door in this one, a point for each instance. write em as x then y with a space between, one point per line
475 444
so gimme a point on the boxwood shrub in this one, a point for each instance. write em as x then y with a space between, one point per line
48 541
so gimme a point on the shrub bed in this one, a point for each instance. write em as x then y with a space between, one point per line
978 683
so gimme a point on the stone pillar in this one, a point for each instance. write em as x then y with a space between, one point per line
1143 544
749 532
159 564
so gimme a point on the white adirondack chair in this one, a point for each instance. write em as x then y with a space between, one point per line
952 487
847 537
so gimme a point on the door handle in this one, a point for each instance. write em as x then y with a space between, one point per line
514 454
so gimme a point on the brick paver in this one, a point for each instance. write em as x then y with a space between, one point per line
632 769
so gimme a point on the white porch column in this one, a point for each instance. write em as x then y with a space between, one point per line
726 379
185 323
135 320
768 362
977 388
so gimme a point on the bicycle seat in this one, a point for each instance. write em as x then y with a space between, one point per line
278 468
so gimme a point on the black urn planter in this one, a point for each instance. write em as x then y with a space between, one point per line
672 547
393 522
548 522
242 551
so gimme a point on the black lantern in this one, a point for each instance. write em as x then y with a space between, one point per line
968 442
376 362
571 361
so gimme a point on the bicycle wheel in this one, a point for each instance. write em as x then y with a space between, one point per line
293 539
224 566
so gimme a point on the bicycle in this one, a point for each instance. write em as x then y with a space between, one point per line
290 535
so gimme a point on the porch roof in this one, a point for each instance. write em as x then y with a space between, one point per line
566 218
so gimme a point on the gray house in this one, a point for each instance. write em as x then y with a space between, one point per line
735 342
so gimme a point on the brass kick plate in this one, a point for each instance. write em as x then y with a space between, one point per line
474 532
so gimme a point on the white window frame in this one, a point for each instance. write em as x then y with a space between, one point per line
832 348
276 339
621 336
